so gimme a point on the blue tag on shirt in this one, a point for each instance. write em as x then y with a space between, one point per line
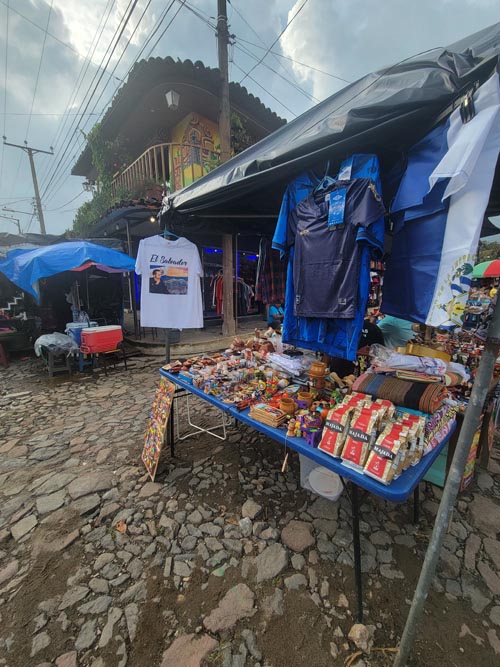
336 207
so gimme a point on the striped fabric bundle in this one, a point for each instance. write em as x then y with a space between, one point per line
422 396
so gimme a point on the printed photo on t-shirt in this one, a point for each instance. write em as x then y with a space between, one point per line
168 279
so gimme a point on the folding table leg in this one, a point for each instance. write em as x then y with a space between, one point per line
171 428
357 551
416 505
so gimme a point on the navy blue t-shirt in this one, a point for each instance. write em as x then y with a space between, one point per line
327 254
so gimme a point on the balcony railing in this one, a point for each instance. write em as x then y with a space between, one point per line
179 164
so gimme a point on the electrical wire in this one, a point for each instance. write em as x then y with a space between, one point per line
266 90
123 23
68 46
294 85
34 97
39 70
73 127
66 204
165 30
81 76
143 48
121 56
296 62
63 113
206 20
5 88
247 75
61 176
264 47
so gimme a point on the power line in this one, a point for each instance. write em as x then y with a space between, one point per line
301 90
143 48
250 27
67 203
5 88
121 56
297 62
110 77
276 40
207 21
39 70
83 72
265 90
68 46
124 21
166 28
34 96
15 113
71 131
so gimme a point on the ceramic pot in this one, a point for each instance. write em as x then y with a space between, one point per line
288 405
306 397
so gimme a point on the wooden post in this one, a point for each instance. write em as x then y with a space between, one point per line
229 323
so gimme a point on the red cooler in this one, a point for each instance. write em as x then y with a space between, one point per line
101 339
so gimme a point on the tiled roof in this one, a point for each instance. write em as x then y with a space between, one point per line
146 74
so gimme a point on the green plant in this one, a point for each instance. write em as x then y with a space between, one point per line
240 134
108 157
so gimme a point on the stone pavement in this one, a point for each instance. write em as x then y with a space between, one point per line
223 561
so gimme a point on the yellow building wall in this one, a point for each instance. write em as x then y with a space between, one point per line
195 150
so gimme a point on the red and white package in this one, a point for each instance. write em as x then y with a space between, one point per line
416 423
385 408
356 400
335 431
382 462
360 435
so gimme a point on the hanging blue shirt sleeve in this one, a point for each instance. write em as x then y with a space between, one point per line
280 233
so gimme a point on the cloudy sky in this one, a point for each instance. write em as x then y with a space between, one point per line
54 52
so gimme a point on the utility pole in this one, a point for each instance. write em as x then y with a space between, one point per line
225 110
15 221
228 278
31 152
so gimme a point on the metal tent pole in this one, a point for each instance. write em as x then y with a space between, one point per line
469 427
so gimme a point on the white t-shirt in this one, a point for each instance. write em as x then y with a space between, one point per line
171 287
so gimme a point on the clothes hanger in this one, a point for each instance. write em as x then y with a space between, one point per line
167 232
326 182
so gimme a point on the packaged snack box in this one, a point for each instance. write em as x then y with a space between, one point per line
356 400
382 461
360 435
335 431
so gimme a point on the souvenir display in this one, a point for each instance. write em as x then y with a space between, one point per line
157 424
368 433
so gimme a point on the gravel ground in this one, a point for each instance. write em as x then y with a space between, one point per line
223 561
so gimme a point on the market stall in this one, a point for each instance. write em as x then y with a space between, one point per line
345 439
381 175
77 275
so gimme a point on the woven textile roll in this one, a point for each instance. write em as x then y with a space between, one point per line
421 396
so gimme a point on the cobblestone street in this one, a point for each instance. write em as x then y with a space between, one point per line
224 560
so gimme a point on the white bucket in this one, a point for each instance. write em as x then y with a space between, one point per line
320 480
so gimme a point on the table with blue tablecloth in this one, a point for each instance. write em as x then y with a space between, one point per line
398 491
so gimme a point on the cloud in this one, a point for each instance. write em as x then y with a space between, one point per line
350 38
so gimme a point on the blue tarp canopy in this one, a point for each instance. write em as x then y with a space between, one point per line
25 267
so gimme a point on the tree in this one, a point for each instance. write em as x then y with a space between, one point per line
488 250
